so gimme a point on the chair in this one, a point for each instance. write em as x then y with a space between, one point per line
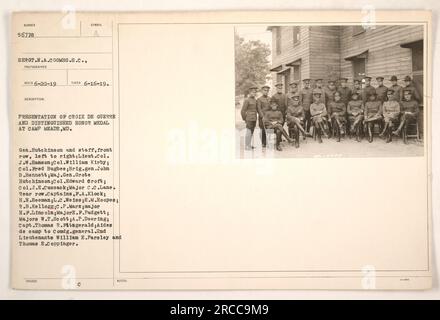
414 126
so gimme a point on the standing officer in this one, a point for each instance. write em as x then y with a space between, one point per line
368 89
357 87
344 90
396 89
306 99
381 90
293 89
281 99
249 113
330 91
263 105
410 86
318 87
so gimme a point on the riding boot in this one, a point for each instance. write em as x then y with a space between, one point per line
318 134
370 134
389 134
297 139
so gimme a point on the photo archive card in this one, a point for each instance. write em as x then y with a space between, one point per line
221 150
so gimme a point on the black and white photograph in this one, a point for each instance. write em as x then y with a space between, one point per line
329 91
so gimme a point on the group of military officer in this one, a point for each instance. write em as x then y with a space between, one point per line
331 110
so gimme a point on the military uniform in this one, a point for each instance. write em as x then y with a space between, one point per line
281 100
337 111
295 116
414 93
373 114
355 112
318 112
357 87
396 88
345 94
409 112
249 114
329 95
373 110
367 92
323 96
263 105
293 90
305 100
391 111
381 92
273 119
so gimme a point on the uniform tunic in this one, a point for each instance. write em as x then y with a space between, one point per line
355 109
294 111
414 93
322 99
318 110
271 116
263 104
397 92
367 92
381 92
391 110
337 107
281 99
249 110
329 95
306 98
373 110
410 106
345 94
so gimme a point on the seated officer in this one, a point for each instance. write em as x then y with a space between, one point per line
295 119
337 110
273 120
372 114
355 111
409 112
318 113
249 115
391 113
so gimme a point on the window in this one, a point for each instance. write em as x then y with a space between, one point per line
296 73
296 35
278 40
358 30
359 67
417 65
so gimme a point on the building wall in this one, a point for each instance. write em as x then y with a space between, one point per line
323 49
385 56
325 56
291 52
